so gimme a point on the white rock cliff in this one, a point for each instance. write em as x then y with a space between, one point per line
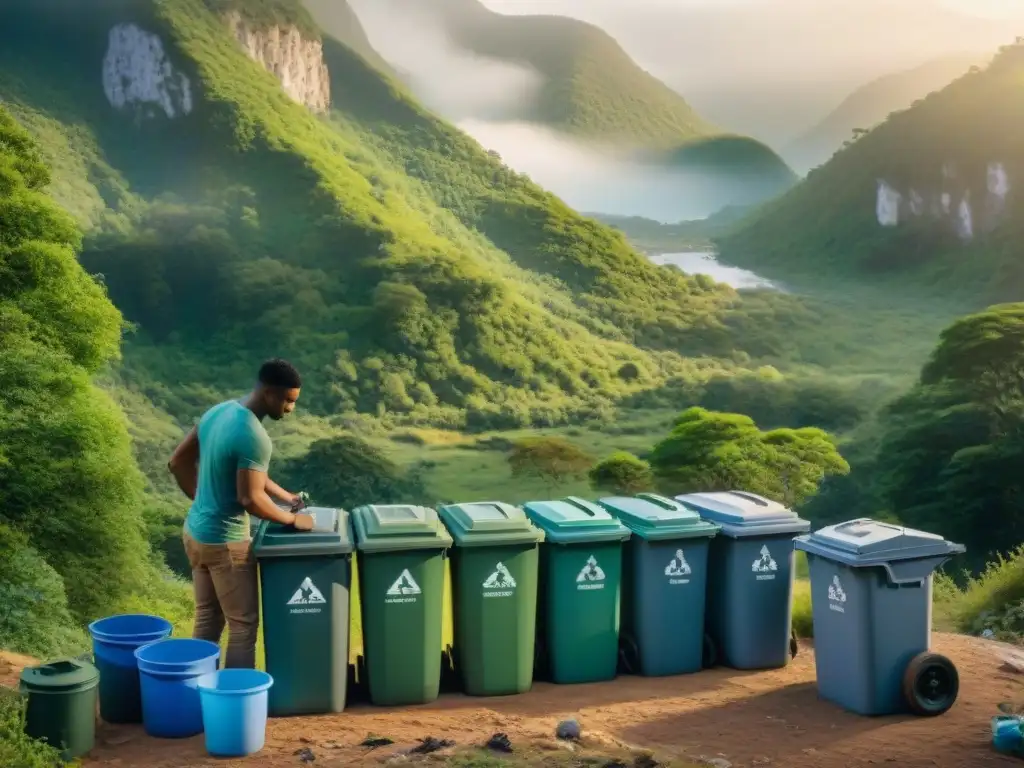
955 206
297 62
137 72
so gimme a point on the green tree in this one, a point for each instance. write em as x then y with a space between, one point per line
552 459
68 481
708 451
622 472
954 444
348 472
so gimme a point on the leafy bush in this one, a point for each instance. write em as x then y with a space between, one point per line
992 600
34 615
726 451
552 459
16 749
622 472
348 472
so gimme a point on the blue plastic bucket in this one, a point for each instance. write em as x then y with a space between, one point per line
114 640
169 671
235 711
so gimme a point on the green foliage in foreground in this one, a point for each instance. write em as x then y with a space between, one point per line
708 451
70 490
17 749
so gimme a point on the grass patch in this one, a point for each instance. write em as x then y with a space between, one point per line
993 600
548 755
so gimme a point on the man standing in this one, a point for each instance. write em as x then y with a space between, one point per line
222 466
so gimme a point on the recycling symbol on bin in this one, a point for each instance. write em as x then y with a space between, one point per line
500 579
765 563
678 566
307 594
591 571
835 591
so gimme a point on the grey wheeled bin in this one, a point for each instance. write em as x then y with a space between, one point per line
664 581
749 614
871 596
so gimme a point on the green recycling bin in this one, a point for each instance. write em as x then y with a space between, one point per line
62 700
305 578
578 599
494 585
402 550
664 583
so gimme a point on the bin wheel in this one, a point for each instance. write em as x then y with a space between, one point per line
930 684
629 654
710 658
794 645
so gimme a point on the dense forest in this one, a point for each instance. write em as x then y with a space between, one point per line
462 331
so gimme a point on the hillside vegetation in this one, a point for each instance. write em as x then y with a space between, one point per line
869 105
926 201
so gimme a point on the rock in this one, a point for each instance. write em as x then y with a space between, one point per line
305 755
430 744
568 730
375 741
499 742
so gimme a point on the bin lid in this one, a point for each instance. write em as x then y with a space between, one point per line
741 514
657 518
573 520
863 542
488 524
393 527
60 675
331 535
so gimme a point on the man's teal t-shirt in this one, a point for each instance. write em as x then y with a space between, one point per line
230 438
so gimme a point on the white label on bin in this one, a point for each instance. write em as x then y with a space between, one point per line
307 595
404 590
678 569
765 566
591 577
836 596
500 583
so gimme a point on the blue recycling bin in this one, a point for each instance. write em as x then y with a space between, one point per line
749 614
871 596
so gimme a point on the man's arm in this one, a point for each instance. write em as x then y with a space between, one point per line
252 495
279 493
184 463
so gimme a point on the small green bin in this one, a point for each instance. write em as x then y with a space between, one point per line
402 550
494 585
580 577
305 579
62 700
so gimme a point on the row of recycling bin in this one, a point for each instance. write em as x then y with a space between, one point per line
571 590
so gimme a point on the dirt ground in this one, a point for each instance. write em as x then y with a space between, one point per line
744 719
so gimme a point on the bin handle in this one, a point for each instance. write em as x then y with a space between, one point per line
759 500
907 581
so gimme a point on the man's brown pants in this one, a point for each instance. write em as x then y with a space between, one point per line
225 584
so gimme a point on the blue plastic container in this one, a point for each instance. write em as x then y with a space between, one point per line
114 640
235 711
169 672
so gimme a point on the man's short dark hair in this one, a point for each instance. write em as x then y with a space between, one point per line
280 373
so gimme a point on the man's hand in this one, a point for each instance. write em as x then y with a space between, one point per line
303 522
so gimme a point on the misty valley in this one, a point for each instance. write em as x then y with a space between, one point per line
515 251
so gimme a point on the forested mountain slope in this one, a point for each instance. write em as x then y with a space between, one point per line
870 104
318 212
927 200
